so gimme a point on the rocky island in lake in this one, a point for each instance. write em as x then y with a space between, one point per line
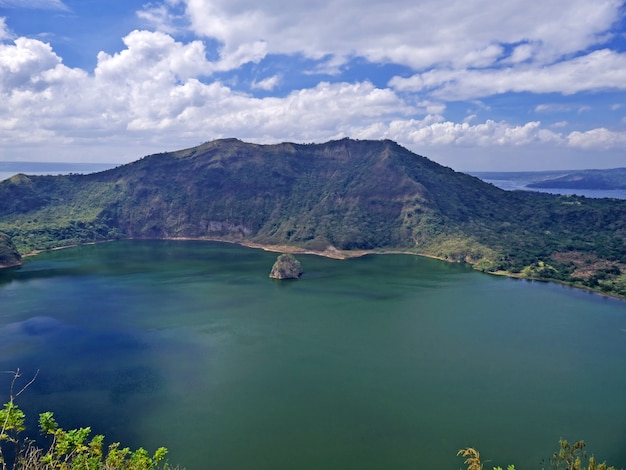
286 267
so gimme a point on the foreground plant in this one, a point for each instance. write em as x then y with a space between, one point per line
574 457
568 457
472 458
69 449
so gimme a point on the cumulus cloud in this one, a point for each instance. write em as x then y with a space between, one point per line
153 57
152 85
161 92
417 34
601 69
458 49
26 64
600 138
433 131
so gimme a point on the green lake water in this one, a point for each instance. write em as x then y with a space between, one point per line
379 362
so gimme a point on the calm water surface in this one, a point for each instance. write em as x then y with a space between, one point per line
381 362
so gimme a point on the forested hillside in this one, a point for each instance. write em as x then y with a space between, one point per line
345 195
9 256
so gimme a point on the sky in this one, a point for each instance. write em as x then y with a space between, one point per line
476 85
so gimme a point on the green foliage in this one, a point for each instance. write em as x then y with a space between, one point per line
12 422
573 457
70 449
568 457
9 256
286 267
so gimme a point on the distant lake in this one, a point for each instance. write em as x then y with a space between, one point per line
379 362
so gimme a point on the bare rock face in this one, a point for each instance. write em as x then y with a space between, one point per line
286 267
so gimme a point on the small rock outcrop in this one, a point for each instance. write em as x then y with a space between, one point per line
9 256
286 267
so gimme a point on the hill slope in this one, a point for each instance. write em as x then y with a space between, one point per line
344 195
9 256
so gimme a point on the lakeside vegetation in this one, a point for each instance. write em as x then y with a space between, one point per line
64 449
75 450
343 195
9 256
568 457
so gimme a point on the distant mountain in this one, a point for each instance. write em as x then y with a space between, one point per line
585 179
611 179
341 197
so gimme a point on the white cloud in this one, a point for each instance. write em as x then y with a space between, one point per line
521 53
602 69
267 84
159 17
152 57
418 34
24 64
159 93
151 90
434 132
600 138
553 108
151 87
245 53
34 4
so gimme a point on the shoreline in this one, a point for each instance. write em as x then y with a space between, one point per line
330 252
56 248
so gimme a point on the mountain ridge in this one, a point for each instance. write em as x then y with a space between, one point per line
341 196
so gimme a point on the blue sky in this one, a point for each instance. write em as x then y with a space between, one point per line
476 85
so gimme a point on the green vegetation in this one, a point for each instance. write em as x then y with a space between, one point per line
345 195
9 256
66 449
568 457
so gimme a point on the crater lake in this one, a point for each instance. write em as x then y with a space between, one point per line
378 362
